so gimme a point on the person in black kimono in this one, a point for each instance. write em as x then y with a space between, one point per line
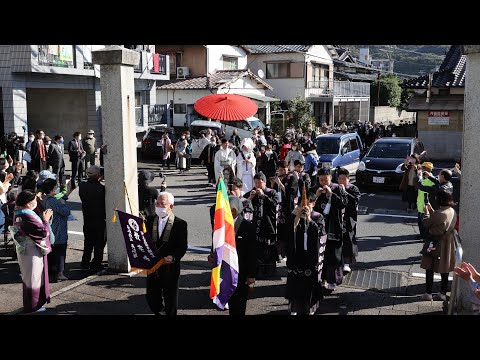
286 186
208 158
349 235
169 234
302 178
264 202
247 258
331 202
305 248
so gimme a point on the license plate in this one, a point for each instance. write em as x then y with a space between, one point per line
159 143
378 180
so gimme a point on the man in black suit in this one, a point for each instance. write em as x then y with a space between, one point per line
169 234
247 258
76 152
38 152
55 158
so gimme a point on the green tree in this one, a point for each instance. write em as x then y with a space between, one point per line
390 91
300 112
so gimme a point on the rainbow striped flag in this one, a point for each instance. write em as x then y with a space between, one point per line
225 273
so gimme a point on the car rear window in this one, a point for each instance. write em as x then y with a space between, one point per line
153 134
327 145
386 150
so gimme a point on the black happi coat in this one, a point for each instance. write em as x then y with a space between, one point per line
350 221
304 266
265 222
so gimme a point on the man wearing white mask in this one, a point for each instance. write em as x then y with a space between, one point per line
169 233
246 162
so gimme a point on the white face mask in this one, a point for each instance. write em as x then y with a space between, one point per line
161 211
49 142
31 138
57 190
79 138
269 152
33 208
42 136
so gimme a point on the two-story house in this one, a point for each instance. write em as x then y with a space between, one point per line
56 88
308 71
199 70
439 104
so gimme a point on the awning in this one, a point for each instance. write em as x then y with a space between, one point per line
260 97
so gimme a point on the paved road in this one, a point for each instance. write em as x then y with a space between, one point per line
385 242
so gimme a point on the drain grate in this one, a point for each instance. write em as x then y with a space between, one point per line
388 281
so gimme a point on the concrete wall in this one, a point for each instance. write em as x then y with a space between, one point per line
58 111
193 56
442 141
387 113
215 56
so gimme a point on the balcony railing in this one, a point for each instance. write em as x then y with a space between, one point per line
157 114
56 55
159 64
328 88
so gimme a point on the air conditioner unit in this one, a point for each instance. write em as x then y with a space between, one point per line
182 72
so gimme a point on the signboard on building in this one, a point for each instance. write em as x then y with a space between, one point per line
438 118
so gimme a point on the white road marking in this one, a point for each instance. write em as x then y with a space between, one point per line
436 277
397 216
199 249
371 194
75 232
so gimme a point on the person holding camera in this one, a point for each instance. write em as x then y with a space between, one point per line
422 197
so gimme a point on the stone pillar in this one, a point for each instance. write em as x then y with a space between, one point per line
470 196
118 132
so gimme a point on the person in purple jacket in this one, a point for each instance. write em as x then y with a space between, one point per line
32 240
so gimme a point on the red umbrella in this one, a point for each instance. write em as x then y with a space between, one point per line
225 107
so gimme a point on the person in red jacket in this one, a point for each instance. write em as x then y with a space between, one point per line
284 149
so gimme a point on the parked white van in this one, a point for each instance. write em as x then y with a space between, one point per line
244 127
196 129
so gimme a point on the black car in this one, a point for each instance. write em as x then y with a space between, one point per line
381 165
152 141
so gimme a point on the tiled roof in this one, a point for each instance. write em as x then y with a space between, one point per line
218 79
274 49
450 74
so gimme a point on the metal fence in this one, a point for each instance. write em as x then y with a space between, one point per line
157 114
138 116
56 55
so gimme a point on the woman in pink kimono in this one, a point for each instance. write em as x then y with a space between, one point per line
32 240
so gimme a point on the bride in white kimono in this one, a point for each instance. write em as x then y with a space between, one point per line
246 162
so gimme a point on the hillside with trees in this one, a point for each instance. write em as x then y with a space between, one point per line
408 59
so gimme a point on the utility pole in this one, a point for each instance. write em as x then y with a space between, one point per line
378 89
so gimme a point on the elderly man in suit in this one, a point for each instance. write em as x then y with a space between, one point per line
55 157
169 233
